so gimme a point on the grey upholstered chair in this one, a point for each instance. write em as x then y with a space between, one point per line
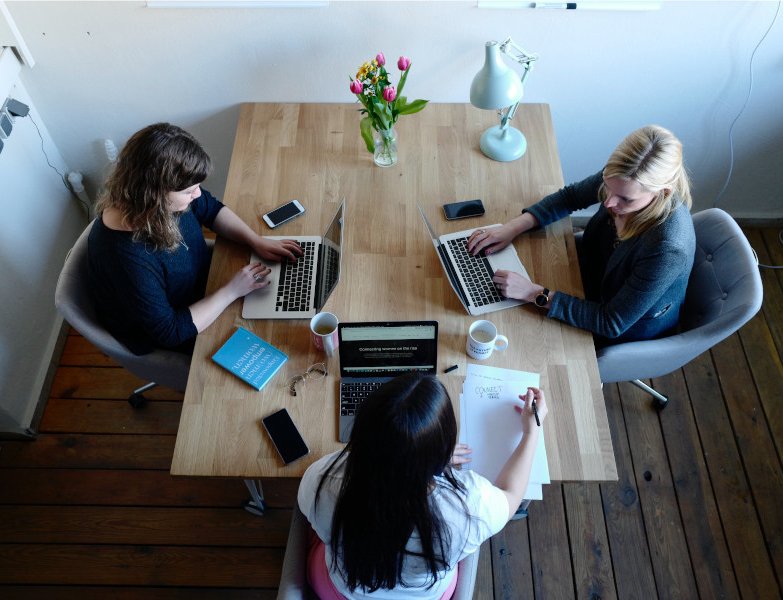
724 292
72 299
293 580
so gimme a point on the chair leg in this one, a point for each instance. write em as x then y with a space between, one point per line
659 400
137 399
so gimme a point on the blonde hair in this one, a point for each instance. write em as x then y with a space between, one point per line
652 157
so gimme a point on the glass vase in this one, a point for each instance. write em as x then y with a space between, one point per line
385 141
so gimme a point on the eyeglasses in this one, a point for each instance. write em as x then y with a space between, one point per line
316 371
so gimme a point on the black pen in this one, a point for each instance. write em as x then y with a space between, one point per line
535 413
451 368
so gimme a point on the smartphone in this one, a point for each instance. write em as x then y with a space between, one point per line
283 213
462 210
285 436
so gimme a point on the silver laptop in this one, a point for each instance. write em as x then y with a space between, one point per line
471 276
300 288
373 353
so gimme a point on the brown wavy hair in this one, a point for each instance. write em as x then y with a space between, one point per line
156 160
652 157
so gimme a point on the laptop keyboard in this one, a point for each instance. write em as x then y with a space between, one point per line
296 280
476 273
354 393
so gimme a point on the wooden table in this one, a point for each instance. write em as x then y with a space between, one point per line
390 271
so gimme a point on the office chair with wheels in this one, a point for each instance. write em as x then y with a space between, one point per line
293 579
72 299
724 292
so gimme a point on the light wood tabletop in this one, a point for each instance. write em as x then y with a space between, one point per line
390 271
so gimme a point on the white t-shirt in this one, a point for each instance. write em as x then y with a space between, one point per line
488 513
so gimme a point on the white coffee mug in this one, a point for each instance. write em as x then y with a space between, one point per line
483 338
323 332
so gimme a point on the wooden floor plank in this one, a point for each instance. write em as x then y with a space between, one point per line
140 565
484 589
772 306
627 537
710 556
62 592
106 487
753 438
551 561
665 535
85 451
752 567
589 543
110 383
143 526
511 567
78 352
110 416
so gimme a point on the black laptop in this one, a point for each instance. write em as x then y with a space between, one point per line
373 353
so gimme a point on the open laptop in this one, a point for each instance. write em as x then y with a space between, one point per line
471 276
300 288
373 353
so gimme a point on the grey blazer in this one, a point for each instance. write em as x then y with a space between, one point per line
633 289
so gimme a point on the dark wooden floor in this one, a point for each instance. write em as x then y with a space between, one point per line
88 510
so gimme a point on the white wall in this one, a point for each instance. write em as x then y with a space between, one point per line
40 221
105 69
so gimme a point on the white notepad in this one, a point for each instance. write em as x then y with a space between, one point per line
491 427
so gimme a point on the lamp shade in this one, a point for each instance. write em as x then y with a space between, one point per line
495 86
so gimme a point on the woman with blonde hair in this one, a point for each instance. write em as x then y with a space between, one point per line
637 250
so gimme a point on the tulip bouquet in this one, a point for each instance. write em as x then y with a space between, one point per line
383 103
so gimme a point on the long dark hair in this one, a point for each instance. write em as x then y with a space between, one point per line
156 160
403 436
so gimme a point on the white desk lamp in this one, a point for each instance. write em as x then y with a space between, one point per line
496 86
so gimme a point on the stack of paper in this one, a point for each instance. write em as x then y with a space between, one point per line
492 428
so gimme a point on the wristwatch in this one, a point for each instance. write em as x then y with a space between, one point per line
542 299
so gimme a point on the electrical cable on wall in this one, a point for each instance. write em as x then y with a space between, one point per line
731 132
62 175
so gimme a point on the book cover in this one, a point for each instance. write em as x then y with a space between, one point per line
250 358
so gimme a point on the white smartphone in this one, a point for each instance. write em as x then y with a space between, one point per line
283 213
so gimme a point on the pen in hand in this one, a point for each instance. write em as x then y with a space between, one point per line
535 412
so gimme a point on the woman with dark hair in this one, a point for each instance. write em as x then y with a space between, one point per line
637 250
391 518
148 261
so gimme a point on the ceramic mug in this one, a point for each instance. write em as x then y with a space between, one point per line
323 332
483 338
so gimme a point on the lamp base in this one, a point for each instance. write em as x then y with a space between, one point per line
503 144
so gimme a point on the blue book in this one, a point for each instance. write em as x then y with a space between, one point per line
250 358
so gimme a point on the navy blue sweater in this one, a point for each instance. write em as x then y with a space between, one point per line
142 295
633 291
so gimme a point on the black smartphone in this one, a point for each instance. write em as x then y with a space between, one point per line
285 436
283 213
463 210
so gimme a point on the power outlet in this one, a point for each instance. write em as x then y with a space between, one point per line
6 125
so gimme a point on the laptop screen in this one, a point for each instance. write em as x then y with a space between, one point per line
329 259
388 349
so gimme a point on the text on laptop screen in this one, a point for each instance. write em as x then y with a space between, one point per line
383 350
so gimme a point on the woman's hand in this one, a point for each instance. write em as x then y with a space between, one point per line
251 277
491 240
514 285
461 455
277 250
526 411
495 239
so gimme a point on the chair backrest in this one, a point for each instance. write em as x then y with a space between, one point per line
293 579
72 298
724 292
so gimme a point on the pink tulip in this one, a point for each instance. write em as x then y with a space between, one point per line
389 93
356 86
381 59
403 63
